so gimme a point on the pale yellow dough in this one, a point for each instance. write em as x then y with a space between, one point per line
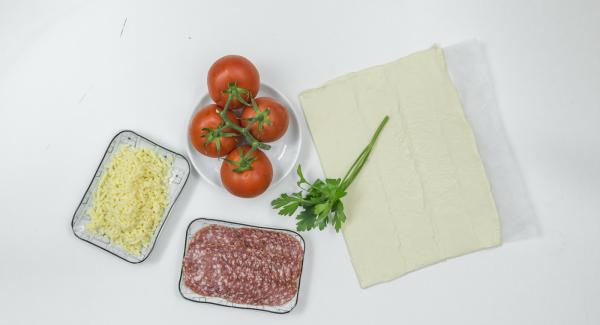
423 196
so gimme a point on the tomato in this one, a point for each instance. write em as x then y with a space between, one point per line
277 117
228 70
208 117
250 182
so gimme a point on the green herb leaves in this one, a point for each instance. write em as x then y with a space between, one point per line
320 202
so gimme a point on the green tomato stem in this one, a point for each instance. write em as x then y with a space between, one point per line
245 162
233 91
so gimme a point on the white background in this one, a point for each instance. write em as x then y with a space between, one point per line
69 81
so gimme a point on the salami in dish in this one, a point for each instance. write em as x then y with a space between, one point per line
243 265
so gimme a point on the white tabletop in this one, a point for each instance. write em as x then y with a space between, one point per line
73 74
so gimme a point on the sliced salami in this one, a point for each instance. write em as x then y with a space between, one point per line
243 265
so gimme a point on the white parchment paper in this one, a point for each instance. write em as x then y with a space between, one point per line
469 70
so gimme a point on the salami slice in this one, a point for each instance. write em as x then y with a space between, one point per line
243 265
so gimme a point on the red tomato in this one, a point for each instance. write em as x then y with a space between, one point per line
208 117
232 69
277 117
251 182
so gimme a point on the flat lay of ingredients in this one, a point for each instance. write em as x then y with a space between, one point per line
403 181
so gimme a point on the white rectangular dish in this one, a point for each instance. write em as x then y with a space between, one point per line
179 173
188 294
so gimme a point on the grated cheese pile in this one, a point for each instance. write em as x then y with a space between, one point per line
131 198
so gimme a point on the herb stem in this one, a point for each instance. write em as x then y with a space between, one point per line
362 158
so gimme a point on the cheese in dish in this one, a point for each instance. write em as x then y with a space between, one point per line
131 198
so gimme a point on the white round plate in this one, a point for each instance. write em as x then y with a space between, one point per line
283 153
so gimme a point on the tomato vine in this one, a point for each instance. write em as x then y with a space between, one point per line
245 162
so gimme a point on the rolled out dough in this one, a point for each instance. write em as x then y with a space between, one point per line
423 196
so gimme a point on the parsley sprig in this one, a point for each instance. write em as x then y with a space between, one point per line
320 201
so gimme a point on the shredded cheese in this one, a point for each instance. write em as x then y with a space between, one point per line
131 198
